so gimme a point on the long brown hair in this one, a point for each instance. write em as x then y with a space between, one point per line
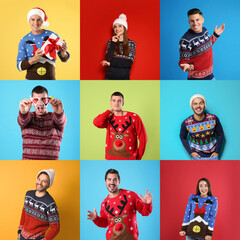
208 184
125 44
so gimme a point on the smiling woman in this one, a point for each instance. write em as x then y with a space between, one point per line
120 52
33 56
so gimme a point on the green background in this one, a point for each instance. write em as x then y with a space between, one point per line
140 97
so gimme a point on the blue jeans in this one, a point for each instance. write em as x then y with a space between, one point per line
205 158
192 238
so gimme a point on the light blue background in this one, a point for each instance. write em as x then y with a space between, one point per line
223 100
137 176
12 92
174 23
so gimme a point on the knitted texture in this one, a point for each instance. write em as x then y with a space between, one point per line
120 65
202 135
196 49
38 214
122 137
41 135
44 68
119 215
199 218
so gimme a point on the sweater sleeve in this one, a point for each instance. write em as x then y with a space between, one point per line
220 135
110 50
21 221
212 217
24 119
22 61
183 137
142 137
60 120
101 221
101 121
143 208
185 53
53 218
214 37
186 218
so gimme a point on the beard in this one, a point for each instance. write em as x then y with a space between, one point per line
43 189
112 190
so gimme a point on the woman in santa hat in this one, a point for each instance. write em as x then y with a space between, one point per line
200 213
30 55
120 52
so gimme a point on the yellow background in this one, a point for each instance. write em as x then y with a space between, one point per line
17 177
64 19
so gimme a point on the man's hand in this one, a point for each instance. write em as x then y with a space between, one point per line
92 215
147 198
213 154
38 54
25 106
187 67
208 237
19 236
182 233
105 63
194 154
219 30
64 49
57 105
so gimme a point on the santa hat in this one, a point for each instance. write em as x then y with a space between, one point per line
50 173
40 12
197 96
122 19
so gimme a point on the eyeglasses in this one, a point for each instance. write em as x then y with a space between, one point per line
45 100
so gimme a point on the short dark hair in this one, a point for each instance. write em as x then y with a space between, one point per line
209 187
39 89
117 94
194 11
112 171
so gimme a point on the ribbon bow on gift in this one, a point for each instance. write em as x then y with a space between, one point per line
52 48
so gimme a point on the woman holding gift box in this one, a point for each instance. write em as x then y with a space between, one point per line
200 213
37 50
120 52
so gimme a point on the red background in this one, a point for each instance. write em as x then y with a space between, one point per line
143 20
179 180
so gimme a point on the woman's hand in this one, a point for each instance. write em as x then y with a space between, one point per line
182 233
115 38
105 63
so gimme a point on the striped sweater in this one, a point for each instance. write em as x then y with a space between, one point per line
41 135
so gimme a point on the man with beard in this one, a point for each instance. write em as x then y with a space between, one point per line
119 209
42 131
40 211
205 131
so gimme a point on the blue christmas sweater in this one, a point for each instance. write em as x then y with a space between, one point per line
199 218
120 64
38 214
202 135
44 68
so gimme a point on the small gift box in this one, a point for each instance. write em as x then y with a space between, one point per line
52 46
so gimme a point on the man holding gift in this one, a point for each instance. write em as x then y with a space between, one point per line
42 131
124 129
37 50
40 211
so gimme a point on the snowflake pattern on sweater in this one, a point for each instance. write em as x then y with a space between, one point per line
38 214
200 214
119 215
26 50
122 137
202 135
196 49
41 135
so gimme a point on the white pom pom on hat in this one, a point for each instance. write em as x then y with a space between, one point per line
41 13
50 173
122 19
197 96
